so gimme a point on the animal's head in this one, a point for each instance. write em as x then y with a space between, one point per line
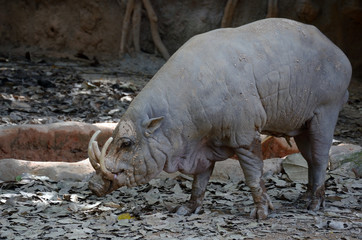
133 157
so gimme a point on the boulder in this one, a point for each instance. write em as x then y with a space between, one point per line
346 158
343 153
296 167
228 170
78 171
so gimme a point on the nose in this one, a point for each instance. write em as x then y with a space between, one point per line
98 185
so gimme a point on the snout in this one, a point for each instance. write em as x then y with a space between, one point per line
101 186
110 174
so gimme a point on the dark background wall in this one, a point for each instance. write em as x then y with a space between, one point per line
93 27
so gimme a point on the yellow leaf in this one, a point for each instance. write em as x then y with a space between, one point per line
125 216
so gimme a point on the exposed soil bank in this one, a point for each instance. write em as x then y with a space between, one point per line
93 28
65 142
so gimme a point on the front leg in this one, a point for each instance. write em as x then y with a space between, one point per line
252 165
197 193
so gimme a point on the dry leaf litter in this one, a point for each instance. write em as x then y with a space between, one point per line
39 208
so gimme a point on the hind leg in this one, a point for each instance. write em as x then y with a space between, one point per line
305 147
314 145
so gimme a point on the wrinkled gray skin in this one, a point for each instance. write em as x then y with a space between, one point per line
215 96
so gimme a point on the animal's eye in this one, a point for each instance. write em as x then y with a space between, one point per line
126 142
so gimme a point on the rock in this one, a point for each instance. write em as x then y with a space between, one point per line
337 225
230 170
346 170
346 160
272 166
65 141
14 116
273 147
22 106
343 153
11 168
296 167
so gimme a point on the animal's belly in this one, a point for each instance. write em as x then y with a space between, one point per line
287 117
283 133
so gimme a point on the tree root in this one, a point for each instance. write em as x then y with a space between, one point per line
125 26
134 11
272 9
136 22
230 9
154 29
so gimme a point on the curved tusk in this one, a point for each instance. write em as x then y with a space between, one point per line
104 170
91 155
96 151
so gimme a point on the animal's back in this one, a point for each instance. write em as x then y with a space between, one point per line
276 70
271 75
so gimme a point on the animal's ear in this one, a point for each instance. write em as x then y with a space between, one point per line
151 125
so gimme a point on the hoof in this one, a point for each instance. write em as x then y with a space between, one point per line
259 212
261 209
186 210
313 202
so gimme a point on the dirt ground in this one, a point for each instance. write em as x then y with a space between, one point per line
45 91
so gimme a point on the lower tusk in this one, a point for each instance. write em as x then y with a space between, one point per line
93 152
96 151
105 171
